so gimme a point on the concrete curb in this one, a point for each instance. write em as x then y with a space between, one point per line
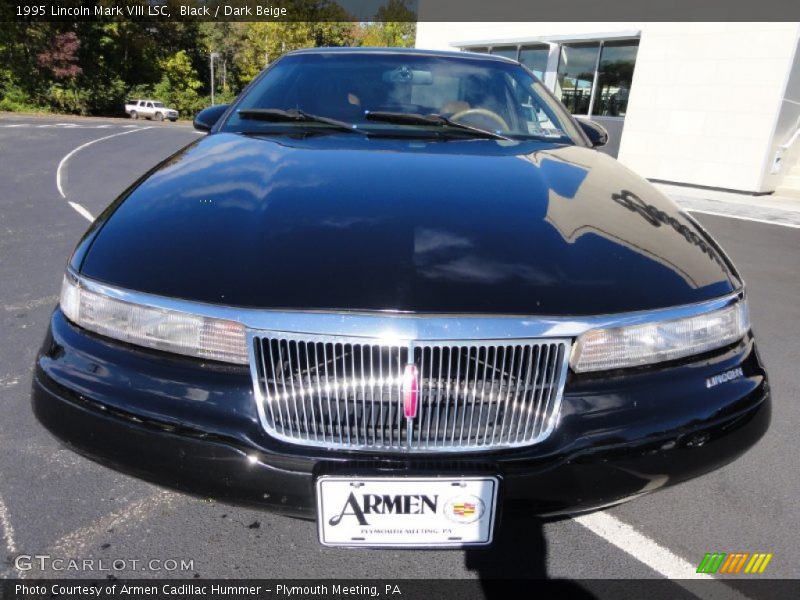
777 210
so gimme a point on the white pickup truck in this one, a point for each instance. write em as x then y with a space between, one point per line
150 109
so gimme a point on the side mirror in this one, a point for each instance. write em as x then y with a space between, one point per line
596 133
206 118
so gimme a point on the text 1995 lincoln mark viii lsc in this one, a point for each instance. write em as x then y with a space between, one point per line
401 292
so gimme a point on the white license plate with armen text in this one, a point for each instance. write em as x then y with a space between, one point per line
406 511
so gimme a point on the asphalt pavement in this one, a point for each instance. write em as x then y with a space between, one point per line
56 503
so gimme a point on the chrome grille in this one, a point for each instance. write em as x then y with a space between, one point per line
347 393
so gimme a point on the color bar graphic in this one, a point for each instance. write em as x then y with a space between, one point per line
732 563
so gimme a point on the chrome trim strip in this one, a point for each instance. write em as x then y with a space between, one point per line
396 327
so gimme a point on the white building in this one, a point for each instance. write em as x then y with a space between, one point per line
703 104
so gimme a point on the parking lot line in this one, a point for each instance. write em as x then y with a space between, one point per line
652 554
624 536
6 529
63 163
76 542
81 211
7 533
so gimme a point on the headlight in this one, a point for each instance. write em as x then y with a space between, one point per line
636 345
153 327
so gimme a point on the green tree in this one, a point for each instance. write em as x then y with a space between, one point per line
23 83
90 67
394 25
179 84
268 41
229 39
325 23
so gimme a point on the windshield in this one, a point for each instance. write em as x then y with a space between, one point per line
486 94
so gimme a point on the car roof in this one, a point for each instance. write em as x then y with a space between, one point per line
403 51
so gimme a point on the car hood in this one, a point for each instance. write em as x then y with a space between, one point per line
345 222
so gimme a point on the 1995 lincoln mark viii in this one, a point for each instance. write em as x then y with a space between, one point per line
400 292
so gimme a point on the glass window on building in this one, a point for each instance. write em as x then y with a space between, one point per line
576 66
507 51
535 58
482 50
615 74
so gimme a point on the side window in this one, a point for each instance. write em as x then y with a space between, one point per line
149 105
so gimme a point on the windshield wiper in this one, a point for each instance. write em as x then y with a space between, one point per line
432 119
294 115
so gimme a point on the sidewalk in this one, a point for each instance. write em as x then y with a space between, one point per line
778 210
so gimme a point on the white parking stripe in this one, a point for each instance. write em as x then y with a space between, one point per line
6 529
660 559
74 544
81 211
61 165
743 218
66 126
7 533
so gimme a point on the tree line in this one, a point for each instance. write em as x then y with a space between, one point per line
92 67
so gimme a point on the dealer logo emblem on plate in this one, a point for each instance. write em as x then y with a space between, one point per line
464 509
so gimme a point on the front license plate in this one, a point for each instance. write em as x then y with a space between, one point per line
406 511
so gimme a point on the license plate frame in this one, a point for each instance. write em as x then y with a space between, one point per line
465 511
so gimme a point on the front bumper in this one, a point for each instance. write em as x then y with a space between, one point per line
194 427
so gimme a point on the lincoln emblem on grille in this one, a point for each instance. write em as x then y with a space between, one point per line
410 391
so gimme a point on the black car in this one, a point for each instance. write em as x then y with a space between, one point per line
398 291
